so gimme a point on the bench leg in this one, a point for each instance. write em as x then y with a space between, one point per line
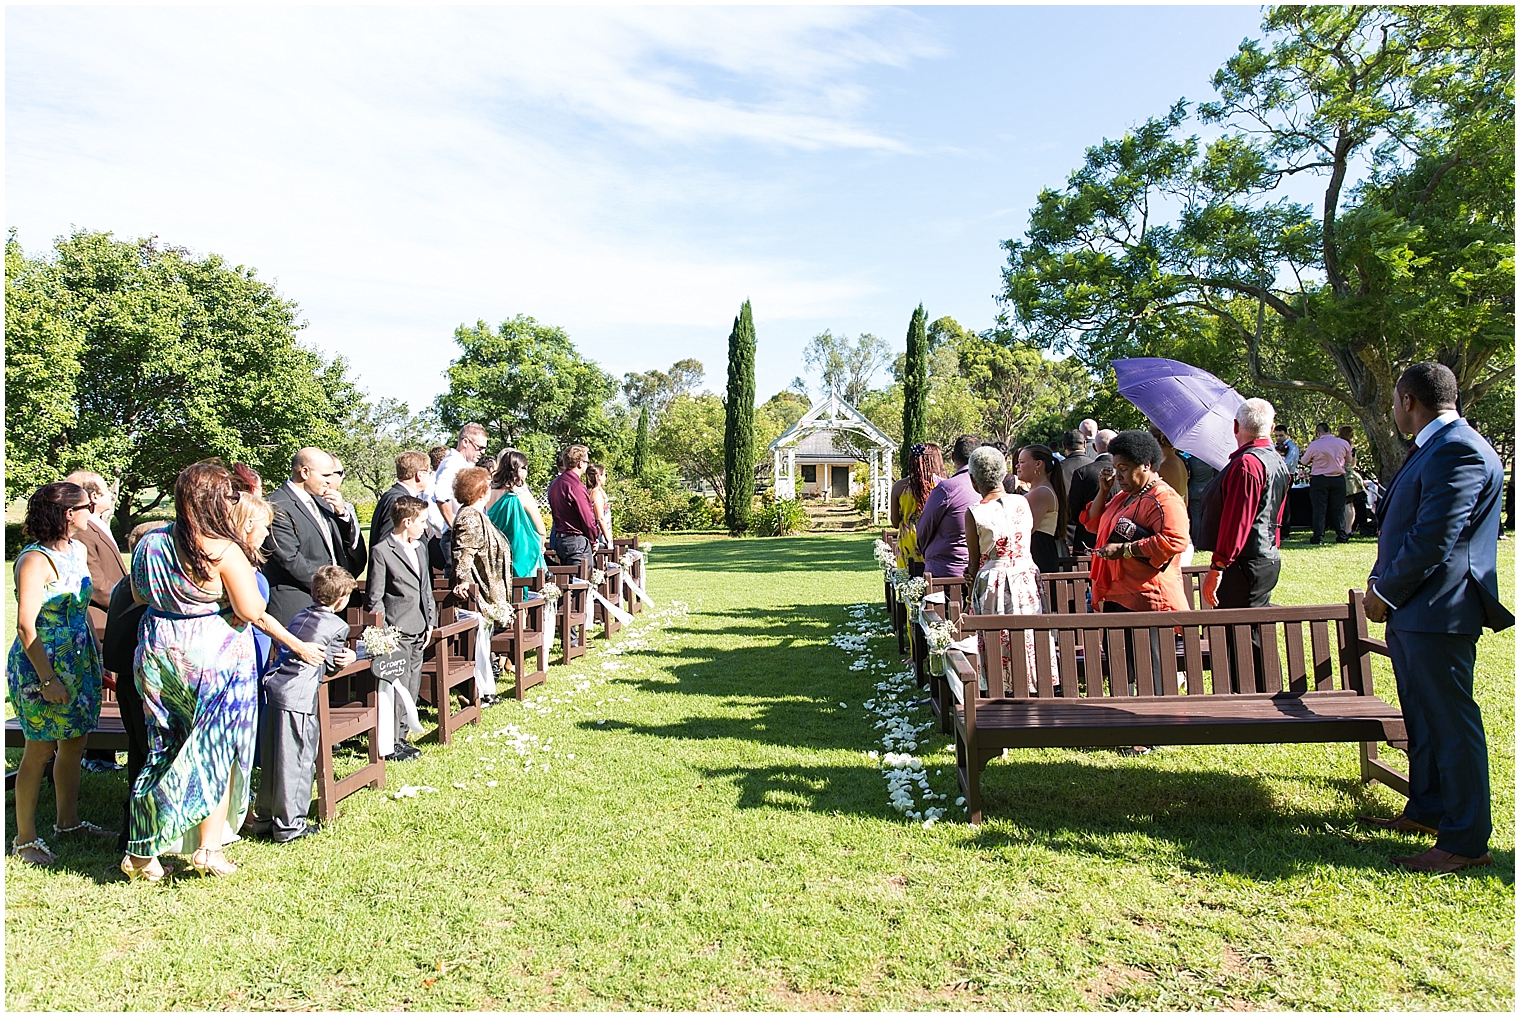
969 775
1375 769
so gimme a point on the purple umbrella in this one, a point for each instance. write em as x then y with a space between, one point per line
1194 409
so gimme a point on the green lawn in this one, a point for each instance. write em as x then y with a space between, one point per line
707 830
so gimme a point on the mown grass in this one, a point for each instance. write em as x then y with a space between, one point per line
721 839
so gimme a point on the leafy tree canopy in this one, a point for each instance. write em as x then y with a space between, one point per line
157 358
846 366
530 388
1405 114
655 389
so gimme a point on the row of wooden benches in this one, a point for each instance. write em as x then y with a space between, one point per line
349 705
1237 676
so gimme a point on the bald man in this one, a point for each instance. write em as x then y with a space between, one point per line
312 527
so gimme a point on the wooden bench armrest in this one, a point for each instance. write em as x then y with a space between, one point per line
453 629
1376 645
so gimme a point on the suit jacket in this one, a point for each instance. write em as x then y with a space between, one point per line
1082 490
1437 561
402 592
293 686
103 559
295 549
380 525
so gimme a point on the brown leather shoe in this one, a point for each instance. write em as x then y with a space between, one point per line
1436 860
1400 824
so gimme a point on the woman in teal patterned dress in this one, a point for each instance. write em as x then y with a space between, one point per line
196 672
53 671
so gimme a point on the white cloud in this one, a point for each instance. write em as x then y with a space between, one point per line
399 171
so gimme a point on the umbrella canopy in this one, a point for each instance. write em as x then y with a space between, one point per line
1194 409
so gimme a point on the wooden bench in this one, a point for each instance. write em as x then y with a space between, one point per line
1094 705
574 613
631 602
1070 592
347 707
611 590
528 634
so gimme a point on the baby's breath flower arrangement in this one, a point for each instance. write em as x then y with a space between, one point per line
380 642
550 591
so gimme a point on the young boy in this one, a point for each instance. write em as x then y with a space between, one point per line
291 735
400 589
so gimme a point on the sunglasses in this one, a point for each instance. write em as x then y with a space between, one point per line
84 506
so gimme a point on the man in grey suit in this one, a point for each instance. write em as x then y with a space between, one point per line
292 736
1436 584
311 525
400 589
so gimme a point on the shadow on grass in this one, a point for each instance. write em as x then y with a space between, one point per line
1089 803
772 554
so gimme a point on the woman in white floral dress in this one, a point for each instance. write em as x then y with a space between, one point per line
1005 579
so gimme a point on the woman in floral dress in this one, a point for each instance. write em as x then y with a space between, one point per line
1004 578
482 560
195 669
53 671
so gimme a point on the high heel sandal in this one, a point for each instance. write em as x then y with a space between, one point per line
211 862
145 871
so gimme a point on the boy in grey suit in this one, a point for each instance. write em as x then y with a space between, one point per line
400 589
292 736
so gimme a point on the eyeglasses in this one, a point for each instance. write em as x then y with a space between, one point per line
478 446
85 506
335 473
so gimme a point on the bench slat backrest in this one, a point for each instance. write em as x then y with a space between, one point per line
1238 651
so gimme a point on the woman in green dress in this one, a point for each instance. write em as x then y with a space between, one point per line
53 671
515 513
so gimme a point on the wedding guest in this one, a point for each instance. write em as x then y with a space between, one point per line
575 526
1287 448
1004 578
195 670
1141 530
941 528
436 456
412 477
926 468
1328 458
1089 429
118 648
601 506
1174 471
1047 506
482 561
516 514
292 734
312 527
471 443
400 590
53 671
352 558
1436 585
1082 484
1252 494
245 478
106 570
104 557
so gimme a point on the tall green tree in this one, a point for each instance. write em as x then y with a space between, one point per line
655 389
739 424
641 443
530 388
915 382
1405 114
174 358
691 436
846 366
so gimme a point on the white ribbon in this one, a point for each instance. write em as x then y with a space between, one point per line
623 617
637 589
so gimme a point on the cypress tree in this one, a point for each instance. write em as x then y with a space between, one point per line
915 417
739 424
641 443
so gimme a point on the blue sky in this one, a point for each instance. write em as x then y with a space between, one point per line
629 174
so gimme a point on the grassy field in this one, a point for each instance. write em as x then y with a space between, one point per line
700 825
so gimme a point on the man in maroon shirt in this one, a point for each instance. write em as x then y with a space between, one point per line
1249 496
575 524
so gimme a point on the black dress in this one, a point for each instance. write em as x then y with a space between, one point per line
1047 551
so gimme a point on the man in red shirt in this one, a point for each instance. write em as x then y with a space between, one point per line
1248 498
575 526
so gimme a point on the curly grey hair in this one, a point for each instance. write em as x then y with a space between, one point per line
988 468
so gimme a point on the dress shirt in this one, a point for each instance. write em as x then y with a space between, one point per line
304 497
409 548
1292 458
570 504
1327 456
442 489
1426 433
941 529
1242 484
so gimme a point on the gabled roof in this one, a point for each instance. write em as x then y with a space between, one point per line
833 414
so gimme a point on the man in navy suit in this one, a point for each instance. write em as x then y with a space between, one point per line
1436 584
